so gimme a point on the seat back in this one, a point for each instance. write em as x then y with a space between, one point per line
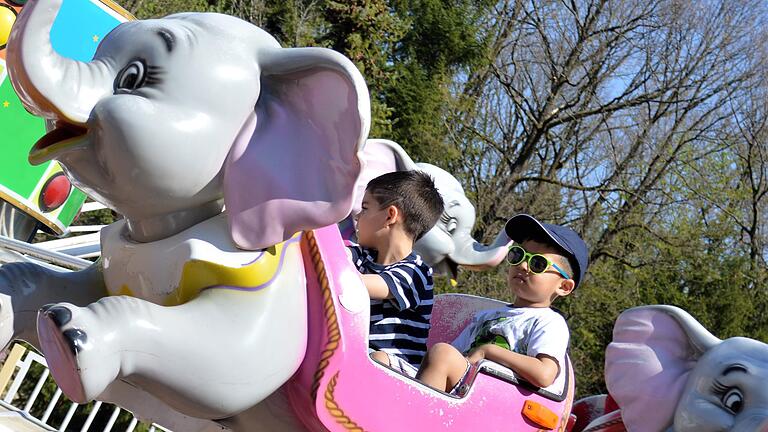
452 312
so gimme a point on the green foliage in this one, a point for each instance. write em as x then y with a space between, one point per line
97 217
144 9
442 42
366 32
697 270
491 283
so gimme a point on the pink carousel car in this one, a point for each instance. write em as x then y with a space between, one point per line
338 387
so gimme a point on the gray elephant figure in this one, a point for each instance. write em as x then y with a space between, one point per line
449 244
667 373
200 309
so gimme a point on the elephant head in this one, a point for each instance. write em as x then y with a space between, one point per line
668 373
449 243
175 117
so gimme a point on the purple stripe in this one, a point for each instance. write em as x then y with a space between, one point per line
258 257
265 284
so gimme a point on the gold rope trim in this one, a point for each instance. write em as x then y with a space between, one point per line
605 425
328 309
335 411
333 340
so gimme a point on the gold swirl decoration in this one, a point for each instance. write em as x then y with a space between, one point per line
334 409
333 339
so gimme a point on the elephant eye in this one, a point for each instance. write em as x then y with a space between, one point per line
731 397
131 77
449 222
733 400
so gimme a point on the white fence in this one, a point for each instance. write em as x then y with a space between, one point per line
37 408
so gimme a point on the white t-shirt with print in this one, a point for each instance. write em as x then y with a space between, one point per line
527 330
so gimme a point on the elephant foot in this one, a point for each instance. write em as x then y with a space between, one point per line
77 355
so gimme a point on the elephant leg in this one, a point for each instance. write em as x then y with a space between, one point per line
274 413
26 287
212 357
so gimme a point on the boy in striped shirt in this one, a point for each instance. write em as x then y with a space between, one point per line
398 208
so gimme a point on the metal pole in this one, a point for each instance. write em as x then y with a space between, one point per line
56 258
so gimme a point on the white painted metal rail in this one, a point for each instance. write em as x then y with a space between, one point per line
21 388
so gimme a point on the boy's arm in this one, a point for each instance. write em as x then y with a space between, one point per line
377 287
405 284
375 284
354 253
540 371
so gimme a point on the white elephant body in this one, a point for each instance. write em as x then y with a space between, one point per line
173 270
172 120
228 307
667 373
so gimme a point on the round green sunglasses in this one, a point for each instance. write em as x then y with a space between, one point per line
537 263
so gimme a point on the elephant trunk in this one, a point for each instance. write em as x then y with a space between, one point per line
757 422
48 84
477 256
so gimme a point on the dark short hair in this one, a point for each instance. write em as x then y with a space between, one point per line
414 194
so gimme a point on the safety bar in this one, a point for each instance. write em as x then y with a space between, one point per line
52 257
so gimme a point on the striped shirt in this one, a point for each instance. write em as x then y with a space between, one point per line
399 325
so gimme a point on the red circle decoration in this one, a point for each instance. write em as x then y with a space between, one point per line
55 192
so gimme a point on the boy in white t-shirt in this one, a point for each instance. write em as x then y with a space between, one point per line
548 261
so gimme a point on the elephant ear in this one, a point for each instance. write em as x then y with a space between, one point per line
295 162
380 156
647 364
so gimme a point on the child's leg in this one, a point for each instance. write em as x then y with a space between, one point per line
442 367
381 357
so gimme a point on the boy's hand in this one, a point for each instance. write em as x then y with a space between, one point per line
540 371
477 354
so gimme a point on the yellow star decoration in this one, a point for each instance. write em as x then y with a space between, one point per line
6 104
95 38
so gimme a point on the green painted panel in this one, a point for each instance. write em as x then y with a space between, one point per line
18 133
71 208
79 26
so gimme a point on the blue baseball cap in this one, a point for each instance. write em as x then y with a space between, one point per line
521 226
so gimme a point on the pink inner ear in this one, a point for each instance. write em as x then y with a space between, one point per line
294 164
377 159
646 368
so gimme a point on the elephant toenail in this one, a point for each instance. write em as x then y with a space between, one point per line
76 339
59 315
